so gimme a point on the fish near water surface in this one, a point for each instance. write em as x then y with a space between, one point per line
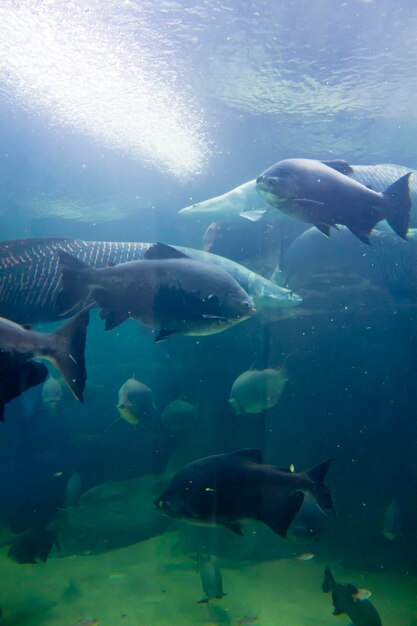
347 600
31 282
167 290
323 194
64 347
226 488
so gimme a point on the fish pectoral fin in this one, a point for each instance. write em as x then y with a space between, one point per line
203 601
279 515
361 234
235 527
340 166
163 251
306 202
113 318
323 228
163 334
207 316
253 215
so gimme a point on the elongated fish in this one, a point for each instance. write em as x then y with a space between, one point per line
30 276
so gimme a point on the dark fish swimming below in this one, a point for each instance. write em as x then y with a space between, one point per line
226 488
34 544
346 600
30 275
64 348
323 194
167 290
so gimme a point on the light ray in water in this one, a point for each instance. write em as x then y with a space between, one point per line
66 59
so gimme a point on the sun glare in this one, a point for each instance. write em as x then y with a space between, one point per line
63 59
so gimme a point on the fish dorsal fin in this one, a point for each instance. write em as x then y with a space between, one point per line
249 454
340 166
329 582
163 251
253 215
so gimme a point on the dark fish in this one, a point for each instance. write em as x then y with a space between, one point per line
64 348
167 291
346 600
34 544
322 194
30 276
211 579
226 488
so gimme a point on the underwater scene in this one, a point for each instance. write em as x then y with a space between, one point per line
208 313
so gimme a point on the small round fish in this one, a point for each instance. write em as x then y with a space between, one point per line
257 390
51 394
136 403
179 415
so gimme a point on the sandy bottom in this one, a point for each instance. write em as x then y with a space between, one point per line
148 585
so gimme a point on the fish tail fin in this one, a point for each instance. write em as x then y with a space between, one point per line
329 582
319 490
68 352
398 205
75 288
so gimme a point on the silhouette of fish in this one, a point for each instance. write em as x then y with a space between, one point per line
211 579
226 488
34 544
347 600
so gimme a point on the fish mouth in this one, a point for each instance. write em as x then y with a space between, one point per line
166 507
275 189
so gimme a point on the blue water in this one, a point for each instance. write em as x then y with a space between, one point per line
114 116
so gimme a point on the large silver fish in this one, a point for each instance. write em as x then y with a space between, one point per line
30 276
